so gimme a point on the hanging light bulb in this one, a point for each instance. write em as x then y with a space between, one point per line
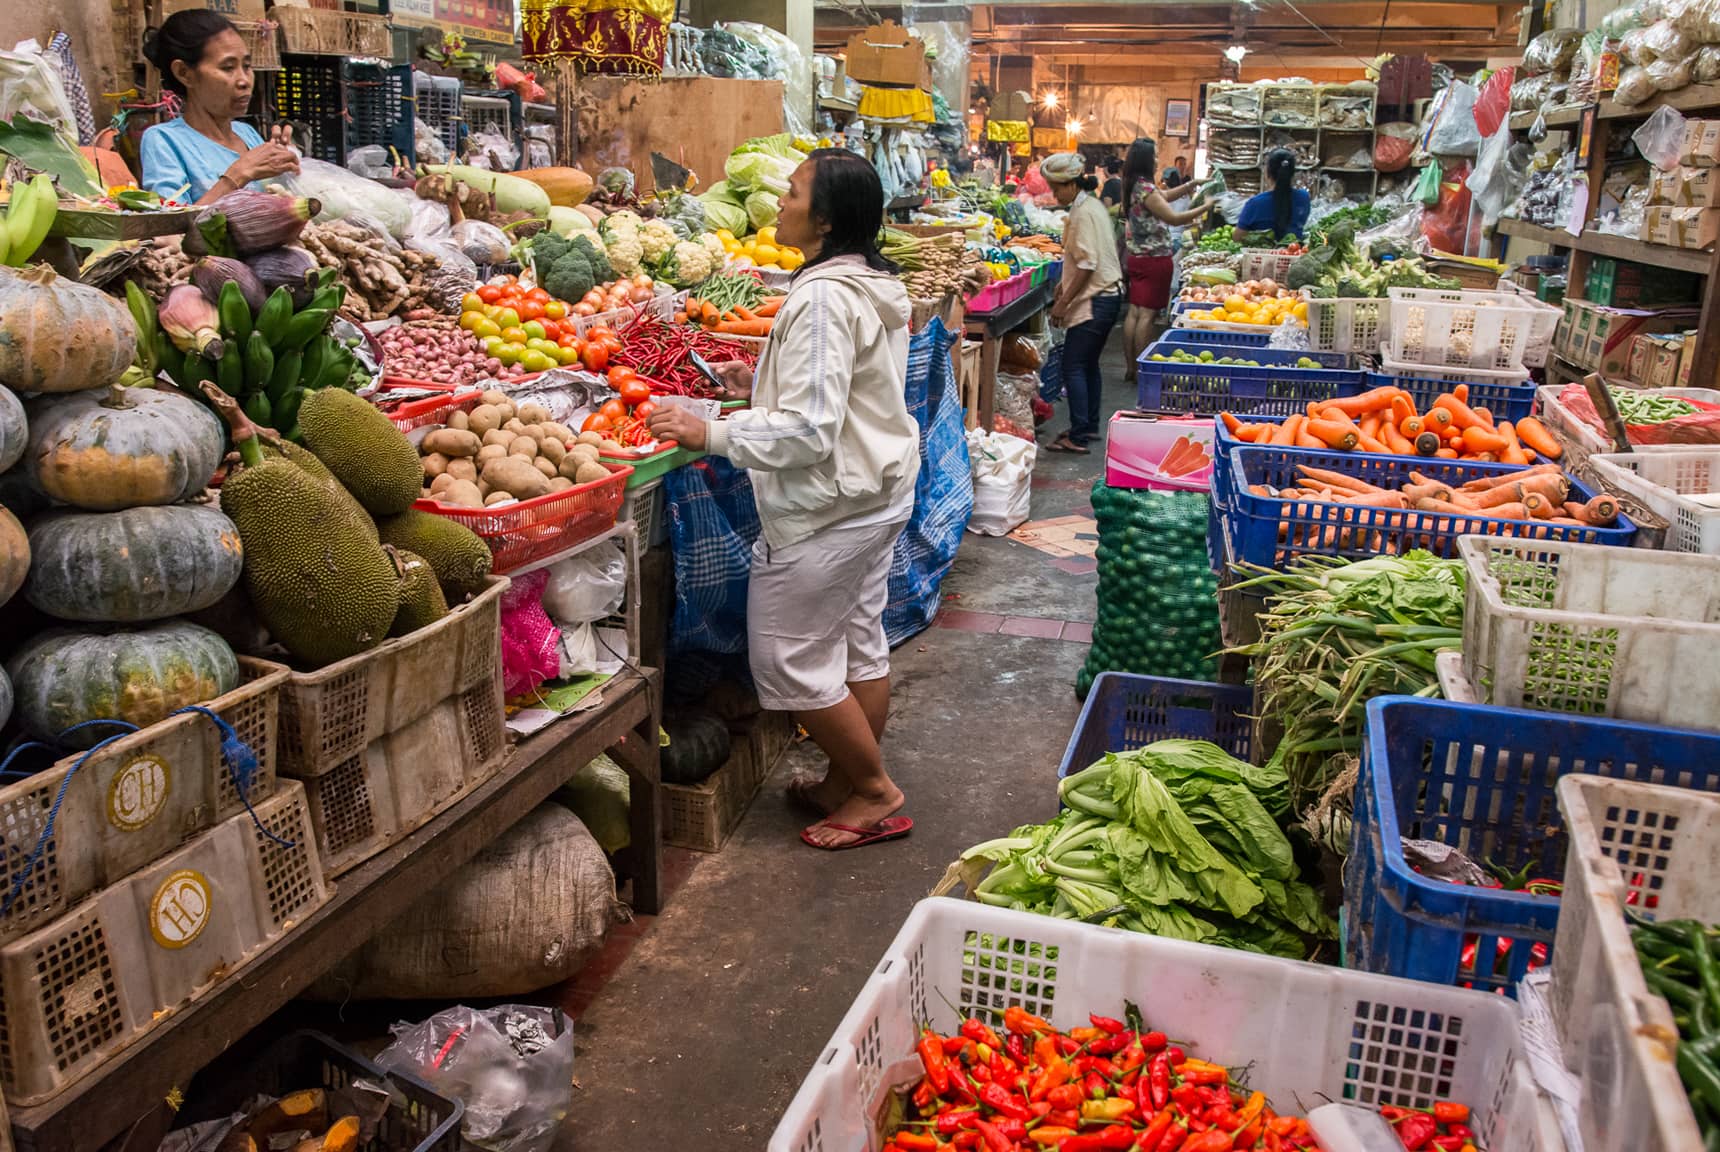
1073 127
1049 99
1235 53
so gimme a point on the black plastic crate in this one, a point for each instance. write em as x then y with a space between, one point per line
307 91
418 1120
377 108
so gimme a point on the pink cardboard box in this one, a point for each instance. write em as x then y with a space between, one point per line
1163 452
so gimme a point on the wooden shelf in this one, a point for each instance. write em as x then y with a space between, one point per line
111 1099
1615 247
837 104
1694 98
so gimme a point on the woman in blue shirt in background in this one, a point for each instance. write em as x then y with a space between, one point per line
1282 211
207 152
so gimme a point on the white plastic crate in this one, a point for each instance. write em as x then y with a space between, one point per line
88 984
1308 1032
1465 329
1582 439
1617 1035
1665 480
1392 366
1595 630
1540 346
1347 325
643 508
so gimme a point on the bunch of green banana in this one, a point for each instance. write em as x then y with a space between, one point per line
268 361
29 215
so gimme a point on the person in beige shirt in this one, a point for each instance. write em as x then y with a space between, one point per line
1087 303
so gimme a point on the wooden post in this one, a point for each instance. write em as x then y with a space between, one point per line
1705 361
565 86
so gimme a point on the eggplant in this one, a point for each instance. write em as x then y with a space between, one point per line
245 222
211 272
288 266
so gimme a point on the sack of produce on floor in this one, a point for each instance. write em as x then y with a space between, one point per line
601 795
1002 481
511 1065
1158 600
1177 838
525 913
1333 635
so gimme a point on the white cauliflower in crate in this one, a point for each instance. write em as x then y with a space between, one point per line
626 253
623 223
657 238
687 265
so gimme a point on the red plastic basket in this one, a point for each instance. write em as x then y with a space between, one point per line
533 529
430 410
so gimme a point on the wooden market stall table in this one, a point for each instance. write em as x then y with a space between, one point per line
109 1101
989 328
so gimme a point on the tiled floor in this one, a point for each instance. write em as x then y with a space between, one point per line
991 623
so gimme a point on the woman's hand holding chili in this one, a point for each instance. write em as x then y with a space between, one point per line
673 422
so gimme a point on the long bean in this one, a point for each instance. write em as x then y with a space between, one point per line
1636 407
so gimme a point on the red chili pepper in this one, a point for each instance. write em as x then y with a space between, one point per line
952 1122
1045 1050
1117 1137
954 1044
1205 1075
1416 1130
1066 1096
1462 1130
1040 1109
994 1140
1188 1098
1064 1118
1053 1075
960 1086
1016 1047
924 1096
1249 1134
1447 1143
1159 1079
1174 1138
1111 1045
1451 1112
1107 1024
1010 1127
1095 1086
937 1065
1131 1058
1104 1067
1220 1116
1068 1045
1154 1041
975 1029
998 1098
967 1141
980 1074
1020 1021
1175 1055
916 1141
1156 1131
1213 1140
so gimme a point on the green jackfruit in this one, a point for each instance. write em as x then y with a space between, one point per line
363 449
325 590
421 599
304 458
460 558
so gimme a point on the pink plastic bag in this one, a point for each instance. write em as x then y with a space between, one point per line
529 638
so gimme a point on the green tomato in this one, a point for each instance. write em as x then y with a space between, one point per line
508 318
508 353
493 346
534 330
535 361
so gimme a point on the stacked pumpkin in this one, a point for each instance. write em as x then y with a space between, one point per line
126 543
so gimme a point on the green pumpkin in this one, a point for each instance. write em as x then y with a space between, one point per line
14 429
698 745
64 676
130 566
122 448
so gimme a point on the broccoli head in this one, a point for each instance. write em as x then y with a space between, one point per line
1341 238
1309 267
547 247
601 272
1350 288
569 278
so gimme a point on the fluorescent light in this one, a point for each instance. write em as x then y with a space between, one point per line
1235 53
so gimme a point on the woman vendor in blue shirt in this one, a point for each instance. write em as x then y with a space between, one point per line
1282 210
207 152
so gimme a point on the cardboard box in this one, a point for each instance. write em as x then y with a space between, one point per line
1686 358
1597 339
1681 227
1686 187
886 54
1139 444
1701 143
1655 357
1623 284
250 11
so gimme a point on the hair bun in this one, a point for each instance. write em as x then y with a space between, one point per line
152 45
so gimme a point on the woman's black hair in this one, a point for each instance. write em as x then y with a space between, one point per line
848 196
1281 170
1087 182
1142 164
183 36
1112 165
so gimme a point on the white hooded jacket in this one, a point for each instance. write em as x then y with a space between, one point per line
828 437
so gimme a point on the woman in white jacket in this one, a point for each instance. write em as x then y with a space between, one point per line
833 455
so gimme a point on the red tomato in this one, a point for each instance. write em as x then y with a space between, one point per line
596 422
595 356
644 408
599 332
620 375
612 343
551 330
615 410
489 293
633 391
531 310
539 295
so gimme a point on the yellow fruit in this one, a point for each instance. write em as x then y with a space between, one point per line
790 259
766 253
767 235
1236 303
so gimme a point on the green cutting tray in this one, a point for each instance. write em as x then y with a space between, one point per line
652 467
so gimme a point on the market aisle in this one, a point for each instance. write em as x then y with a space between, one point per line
702 1036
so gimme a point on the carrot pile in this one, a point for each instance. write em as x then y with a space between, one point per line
1538 493
736 321
1385 420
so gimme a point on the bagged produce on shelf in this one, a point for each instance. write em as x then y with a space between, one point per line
586 587
528 636
1002 481
1669 74
512 1067
1552 51
1635 86
427 143
342 194
1650 418
1452 130
1697 19
1660 138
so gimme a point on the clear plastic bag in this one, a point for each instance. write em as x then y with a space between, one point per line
512 1067
488 150
31 86
1551 51
428 144
1669 75
1616 23
586 587
784 61
371 162
1635 85
1661 137
430 220
1697 19
1663 40
482 243
345 194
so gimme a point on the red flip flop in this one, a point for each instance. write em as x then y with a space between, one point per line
889 828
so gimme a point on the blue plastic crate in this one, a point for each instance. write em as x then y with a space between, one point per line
1331 529
1506 401
1214 536
1483 780
1277 386
1245 344
1124 712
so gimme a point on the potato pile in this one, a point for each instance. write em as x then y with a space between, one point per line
499 452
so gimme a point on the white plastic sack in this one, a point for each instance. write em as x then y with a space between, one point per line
586 587
1002 481
1454 132
511 1065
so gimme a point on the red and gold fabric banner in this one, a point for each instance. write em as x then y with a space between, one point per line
606 37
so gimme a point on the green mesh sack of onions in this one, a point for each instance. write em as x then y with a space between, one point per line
1175 839
1333 635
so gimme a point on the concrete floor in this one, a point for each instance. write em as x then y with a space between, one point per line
701 1034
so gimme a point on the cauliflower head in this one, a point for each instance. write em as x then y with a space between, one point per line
623 223
657 239
687 264
714 247
625 254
